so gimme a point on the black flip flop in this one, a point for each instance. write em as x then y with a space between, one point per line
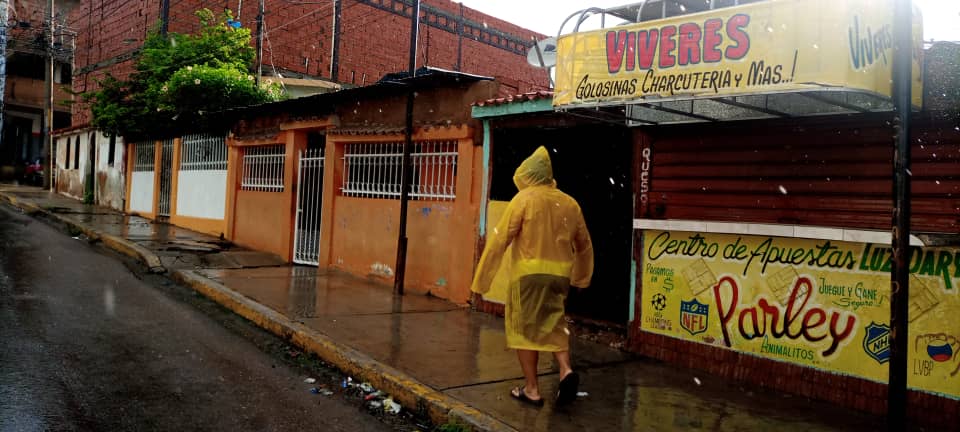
568 389
522 397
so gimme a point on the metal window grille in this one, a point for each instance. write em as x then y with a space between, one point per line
143 152
166 177
203 152
263 168
372 170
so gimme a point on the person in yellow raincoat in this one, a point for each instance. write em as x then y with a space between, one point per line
549 250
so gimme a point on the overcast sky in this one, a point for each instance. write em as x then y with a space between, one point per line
941 18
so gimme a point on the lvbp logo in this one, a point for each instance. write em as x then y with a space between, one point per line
876 342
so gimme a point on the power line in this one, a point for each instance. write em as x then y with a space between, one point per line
91 10
267 33
374 21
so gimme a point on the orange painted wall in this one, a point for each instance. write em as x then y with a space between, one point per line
442 235
264 220
214 227
260 222
440 248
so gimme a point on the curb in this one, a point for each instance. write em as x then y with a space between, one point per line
118 244
410 393
25 206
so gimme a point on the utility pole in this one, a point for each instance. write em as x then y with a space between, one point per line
335 41
459 40
47 124
164 17
4 15
900 274
405 160
256 74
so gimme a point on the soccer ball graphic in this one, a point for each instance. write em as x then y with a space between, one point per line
659 302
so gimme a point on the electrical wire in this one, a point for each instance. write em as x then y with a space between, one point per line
272 65
368 23
267 33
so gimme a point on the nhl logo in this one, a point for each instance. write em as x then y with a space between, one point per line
693 316
876 342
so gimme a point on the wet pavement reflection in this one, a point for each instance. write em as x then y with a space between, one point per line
177 248
451 348
87 345
463 353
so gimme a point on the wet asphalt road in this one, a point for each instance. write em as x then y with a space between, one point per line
86 345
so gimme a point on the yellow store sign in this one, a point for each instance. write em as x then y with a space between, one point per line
817 303
771 46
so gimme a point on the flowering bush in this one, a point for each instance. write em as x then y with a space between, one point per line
199 88
178 79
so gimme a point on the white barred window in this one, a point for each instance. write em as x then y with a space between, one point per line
263 168
203 152
372 170
143 156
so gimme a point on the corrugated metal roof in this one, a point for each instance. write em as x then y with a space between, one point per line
524 97
426 77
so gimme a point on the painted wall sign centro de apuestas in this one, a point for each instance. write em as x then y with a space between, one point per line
817 303
771 46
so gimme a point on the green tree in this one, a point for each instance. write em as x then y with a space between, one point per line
180 77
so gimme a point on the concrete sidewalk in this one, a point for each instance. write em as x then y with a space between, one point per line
161 247
441 360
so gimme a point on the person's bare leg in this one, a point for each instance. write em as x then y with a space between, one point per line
563 363
528 363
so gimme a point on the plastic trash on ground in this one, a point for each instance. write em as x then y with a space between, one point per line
390 406
366 387
310 380
582 394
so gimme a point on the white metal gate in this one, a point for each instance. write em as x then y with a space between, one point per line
306 239
166 177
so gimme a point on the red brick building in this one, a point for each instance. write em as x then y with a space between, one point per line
372 40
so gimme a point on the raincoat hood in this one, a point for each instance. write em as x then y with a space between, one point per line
536 170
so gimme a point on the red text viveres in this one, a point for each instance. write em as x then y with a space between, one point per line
672 45
767 318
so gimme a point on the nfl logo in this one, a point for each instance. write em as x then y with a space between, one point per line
693 316
876 343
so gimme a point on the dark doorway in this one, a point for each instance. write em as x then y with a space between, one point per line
17 147
591 164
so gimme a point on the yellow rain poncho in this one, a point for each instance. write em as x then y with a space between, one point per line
549 250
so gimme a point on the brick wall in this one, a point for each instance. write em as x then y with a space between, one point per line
781 138
109 32
855 393
374 38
